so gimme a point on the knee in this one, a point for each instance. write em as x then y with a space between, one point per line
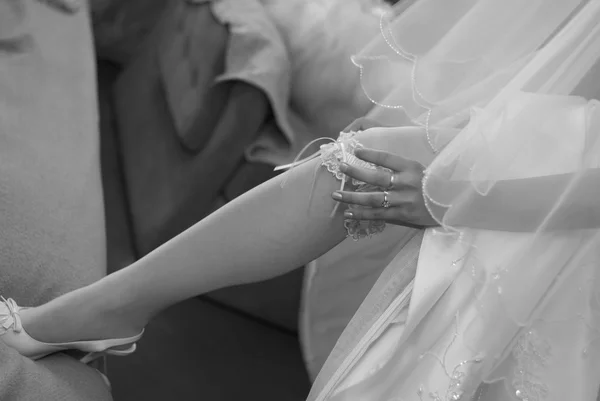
379 137
408 141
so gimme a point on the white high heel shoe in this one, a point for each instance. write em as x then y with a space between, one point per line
14 335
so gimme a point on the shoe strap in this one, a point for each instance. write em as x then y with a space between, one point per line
92 356
12 318
122 352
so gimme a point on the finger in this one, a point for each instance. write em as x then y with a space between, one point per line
371 214
370 176
390 216
386 159
361 124
372 199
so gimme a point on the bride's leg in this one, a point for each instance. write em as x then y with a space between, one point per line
263 233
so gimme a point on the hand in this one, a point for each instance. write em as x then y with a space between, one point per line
405 203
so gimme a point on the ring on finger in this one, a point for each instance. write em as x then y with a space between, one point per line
386 201
392 183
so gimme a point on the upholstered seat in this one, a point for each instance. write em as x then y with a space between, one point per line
181 132
182 136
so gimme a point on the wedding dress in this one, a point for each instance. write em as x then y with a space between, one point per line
478 313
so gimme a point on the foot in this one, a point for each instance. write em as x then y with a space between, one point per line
63 320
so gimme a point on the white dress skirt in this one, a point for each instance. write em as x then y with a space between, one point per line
481 314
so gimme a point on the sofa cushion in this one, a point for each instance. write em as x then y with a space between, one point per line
191 55
170 186
199 351
51 203
121 27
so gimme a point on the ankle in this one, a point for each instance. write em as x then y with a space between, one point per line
124 320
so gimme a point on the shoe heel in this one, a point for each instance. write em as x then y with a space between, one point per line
92 356
122 352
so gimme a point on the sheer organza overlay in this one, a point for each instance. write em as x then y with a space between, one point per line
501 301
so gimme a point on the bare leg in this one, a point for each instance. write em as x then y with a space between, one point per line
264 233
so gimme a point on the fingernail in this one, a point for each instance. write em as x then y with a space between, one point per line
336 196
343 166
348 214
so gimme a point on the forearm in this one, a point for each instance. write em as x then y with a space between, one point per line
523 205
